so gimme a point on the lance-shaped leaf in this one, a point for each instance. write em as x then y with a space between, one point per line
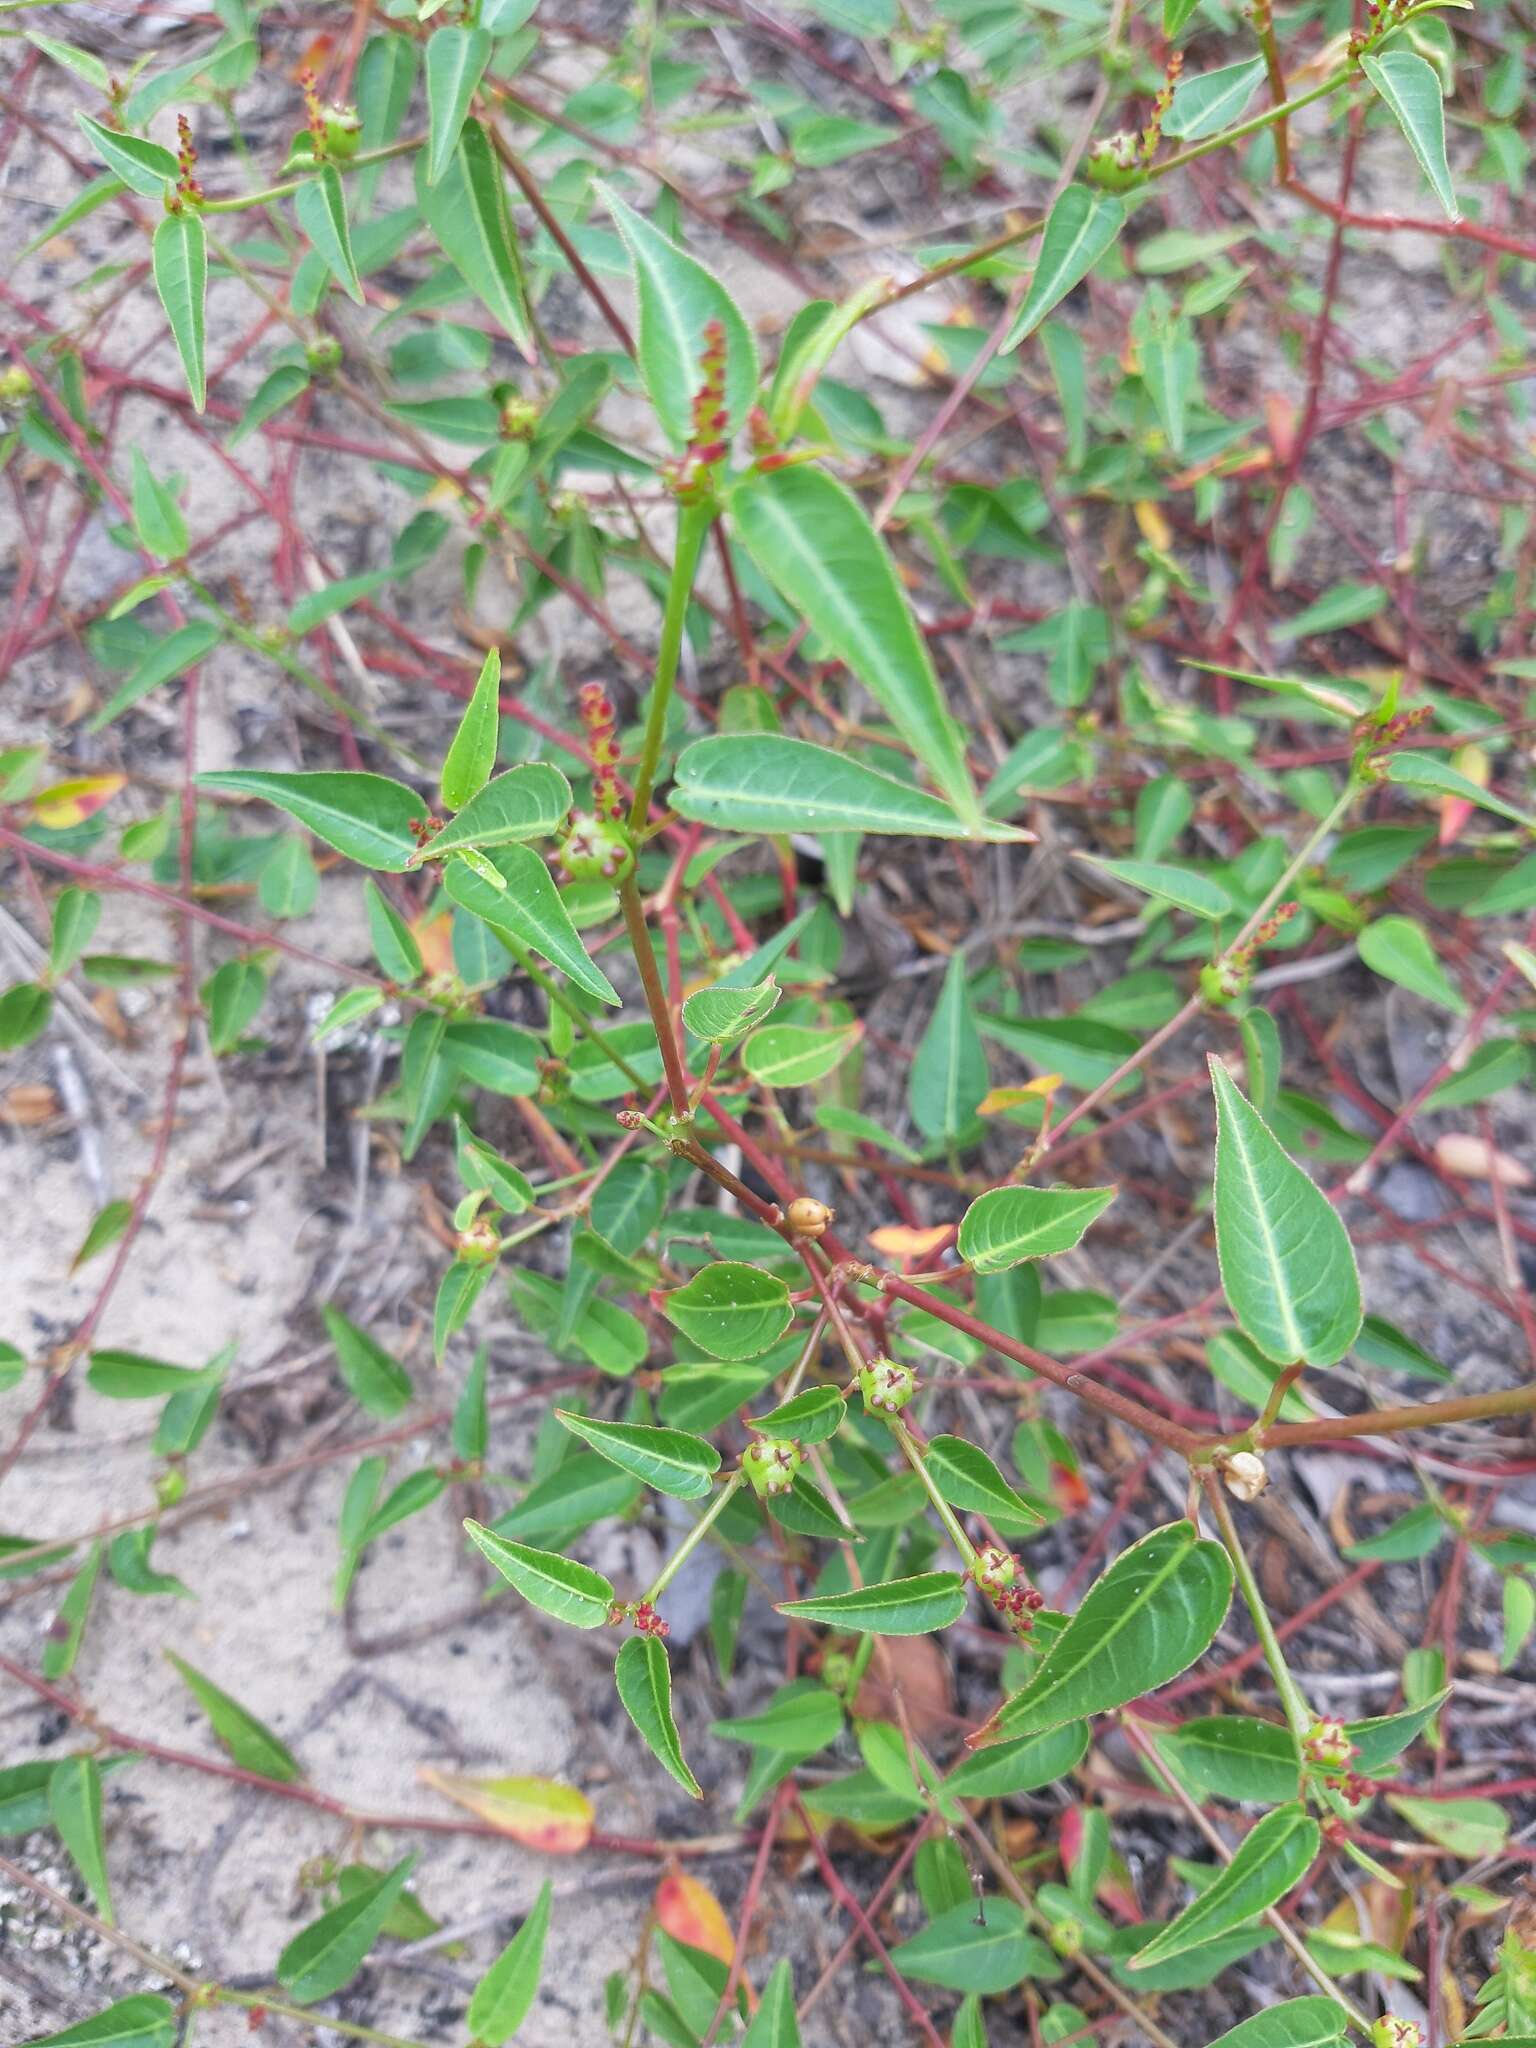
1399 949
774 2024
1023 1766
503 1998
730 1310
1286 1264
987 1949
1007 1225
366 817
540 1813
456 61
970 1481
1439 778
1209 101
531 913
644 1680
321 206
144 167
814 543
1276 1854
1181 887
897 1607
812 1414
722 1015
327 1954
949 1069
1311 2022
1143 1622
377 1380
74 1807
669 1460
179 255
676 298
760 782
1082 225
467 211
796 1055
1411 89
250 1742
525 803
556 1585
470 760
144 2021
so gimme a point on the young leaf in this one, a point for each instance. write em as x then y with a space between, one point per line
949 1069
722 1015
797 1055
379 1382
1082 225
669 1460
144 2021
676 298
1229 1756
1181 887
530 912
1212 99
970 1481
1399 949
503 1998
456 61
250 1742
1276 1854
1410 87
1006 1225
813 542
1287 1267
525 803
470 759
61 1646
1438 778
556 1585
394 943
321 206
232 995
1148 1618
466 209
810 1417
180 261
1295 2023
76 915
774 2024
144 167
898 1607
129 1376
984 1947
157 520
366 817
74 1806
327 1954
759 782
644 1680
162 661
730 1310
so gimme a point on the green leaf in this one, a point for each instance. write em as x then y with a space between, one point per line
129 1376
970 1481
948 1078
897 1607
456 61
1212 99
1295 2023
1410 87
1148 1618
1400 950
774 2024
1497 1064
669 1460
759 782
457 1292
809 1418
289 882
796 1055
321 207
1473 1828
1272 1857
81 62
163 660
527 802
1175 14
232 995
379 1382
1438 778
180 263
24 1014
676 298
814 543
644 1679
74 1806
394 943
250 1742
1411 1536
157 519
983 1946
1006 1768
61 1646
144 2021
467 211
1006 1225
730 1310
1286 1264
144 167
504 1997
1081 227
274 392
76 915
481 1167
1384 1345
1181 887
801 1718
722 1015
366 817
470 760
107 1225
556 1585
530 912
327 1954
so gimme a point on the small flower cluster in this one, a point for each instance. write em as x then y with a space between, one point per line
601 721
886 1386
688 476
1152 134
187 186
1223 981
1327 1744
996 1573
644 1616
597 847
1377 741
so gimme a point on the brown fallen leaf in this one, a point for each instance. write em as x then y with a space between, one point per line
920 1673
1472 1158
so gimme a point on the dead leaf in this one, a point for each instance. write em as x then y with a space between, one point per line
30 1102
689 1911
1472 1158
901 1241
537 1812
918 1669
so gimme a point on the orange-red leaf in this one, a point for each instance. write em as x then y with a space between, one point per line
71 803
534 1811
690 1912
901 1241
